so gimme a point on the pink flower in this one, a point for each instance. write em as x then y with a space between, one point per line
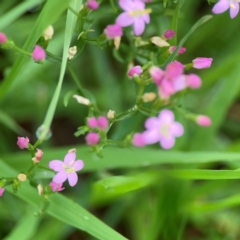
193 81
38 156
92 138
168 34
23 142
92 122
162 129
200 62
67 169
136 70
174 70
157 74
38 54
135 14
203 121
223 5
102 122
113 31
1 191
3 38
56 187
138 140
92 4
180 51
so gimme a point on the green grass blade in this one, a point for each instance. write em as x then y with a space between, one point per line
64 210
26 228
70 25
48 15
20 9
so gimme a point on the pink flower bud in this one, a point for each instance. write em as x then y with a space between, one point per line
92 4
174 70
38 54
102 122
180 51
193 81
168 34
38 156
23 142
157 74
1 191
137 70
56 187
3 38
203 121
113 31
92 122
138 140
92 138
200 63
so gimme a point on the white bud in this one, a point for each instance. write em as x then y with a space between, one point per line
111 114
48 33
22 177
71 52
149 97
117 41
82 100
73 150
159 42
40 189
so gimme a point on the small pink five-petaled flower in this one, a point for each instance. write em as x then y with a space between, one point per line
67 169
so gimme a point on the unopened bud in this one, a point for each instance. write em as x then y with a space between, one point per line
22 177
38 156
71 52
111 114
48 33
82 100
117 41
159 42
149 97
73 150
40 189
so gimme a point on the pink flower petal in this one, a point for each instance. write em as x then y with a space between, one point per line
138 26
151 136
146 18
72 179
166 116
78 165
234 10
56 165
124 19
176 129
180 83
221 6
126 5
60 177
167 143
151 123
70 158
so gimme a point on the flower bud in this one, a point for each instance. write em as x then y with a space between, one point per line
48 33
113 31
92 138
200 63
111 114
203 121
82 100
138 140
193 81
136 70
168 34
56 187
3 38
180 51
102 122
92 4
1 191
92 122
38 54
159 42
149 97
22 177
71 52
117 41
40 189
38 156
23 142
157 74
72 150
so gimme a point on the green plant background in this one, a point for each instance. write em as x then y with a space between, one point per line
190 192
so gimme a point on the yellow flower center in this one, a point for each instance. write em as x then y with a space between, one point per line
164 129
68 169
138 13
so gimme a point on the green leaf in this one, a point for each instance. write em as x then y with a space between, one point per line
64 210
16 12
48 15
67 97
